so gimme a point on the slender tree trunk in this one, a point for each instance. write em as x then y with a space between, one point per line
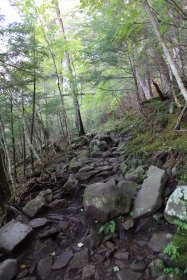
165 50
72 80
13 138
5 193
4 146
24 146
56 72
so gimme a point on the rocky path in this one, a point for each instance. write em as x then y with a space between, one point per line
56 234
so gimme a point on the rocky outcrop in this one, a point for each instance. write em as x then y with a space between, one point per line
149 198
176 207
106 200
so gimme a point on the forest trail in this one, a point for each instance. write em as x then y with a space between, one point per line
65 242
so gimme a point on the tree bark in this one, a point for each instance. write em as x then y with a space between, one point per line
166 51
72 80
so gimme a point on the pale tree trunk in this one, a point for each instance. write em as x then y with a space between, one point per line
13 137
166 51
72 80
59 79
6 152
145 85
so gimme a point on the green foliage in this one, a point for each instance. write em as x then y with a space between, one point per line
108 227
176 250
172 251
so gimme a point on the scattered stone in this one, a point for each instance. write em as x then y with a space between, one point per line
83 176
34 206
137 266
63 225
56 217
22 274
58 204
49 232
88 272
93 240
156 268
8 269
128 224
123 168
47 195
176 207
12 234
97 145
79 260
39 222
127 274
149 198
159 241
162 277
62 260
44 268
71 184
121 256
106 200
128 187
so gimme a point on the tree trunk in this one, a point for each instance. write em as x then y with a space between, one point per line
13 138
72 80
167 54
5 193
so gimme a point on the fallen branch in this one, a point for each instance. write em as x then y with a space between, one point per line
177 126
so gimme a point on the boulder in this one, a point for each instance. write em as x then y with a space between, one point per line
176 207
159 241
12 234
149 198
106 200
34 206
103 137
71 184
128 187
8 269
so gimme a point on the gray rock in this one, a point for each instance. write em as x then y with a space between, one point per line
82 176
88 272
39 222
105 200
128 187
137 266
127 274
123 168
34 206
136 175
121 256
79 260
159 241
12 234
44 268
128 224
162 277
97 145
156 268
58 204
103 137
176 207
71 184
149 198
8 269
62 260
47 195
22 274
